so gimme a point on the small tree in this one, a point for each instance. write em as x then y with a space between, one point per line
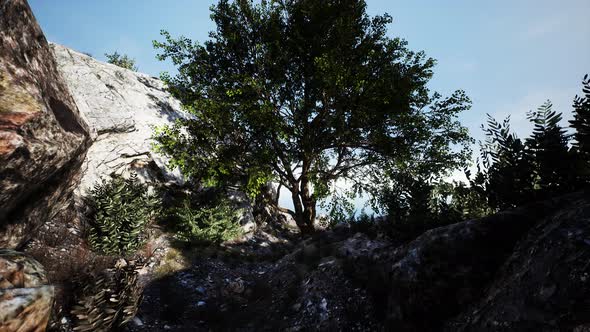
581 125
303 93
548 144
121 60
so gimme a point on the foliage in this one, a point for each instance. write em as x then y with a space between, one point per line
109 301
340 208
414 205
581 125
121 60
120 211
363 223
548 144
305 93
509 166
205 224
546 164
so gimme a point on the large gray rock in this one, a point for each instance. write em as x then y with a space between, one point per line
121 107
42 137
443 271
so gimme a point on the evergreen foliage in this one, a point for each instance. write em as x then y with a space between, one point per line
120 211
581 125
512 172
548 144
205 224
545 165
509 166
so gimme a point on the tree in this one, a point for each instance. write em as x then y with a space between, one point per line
509 177
303 93
548 144
543 166
122 61
581 125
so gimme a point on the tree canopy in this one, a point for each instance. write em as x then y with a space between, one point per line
545 164
304 93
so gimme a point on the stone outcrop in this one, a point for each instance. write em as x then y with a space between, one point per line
25 297
545 284
42 136
121 107
520 270
447 268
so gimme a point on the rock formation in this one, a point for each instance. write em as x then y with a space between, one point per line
545 283
25 297
121 107
42 137
520 270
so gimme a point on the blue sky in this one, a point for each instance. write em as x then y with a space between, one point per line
509 55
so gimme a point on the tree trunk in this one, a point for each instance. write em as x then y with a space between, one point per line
309 212
304 212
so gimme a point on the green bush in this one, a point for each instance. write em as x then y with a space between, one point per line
206 224
120 211
121 60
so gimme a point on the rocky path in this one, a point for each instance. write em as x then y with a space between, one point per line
303 290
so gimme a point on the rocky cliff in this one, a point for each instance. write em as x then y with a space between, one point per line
121 107
43 139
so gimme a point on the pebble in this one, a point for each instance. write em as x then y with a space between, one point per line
201 304
137 321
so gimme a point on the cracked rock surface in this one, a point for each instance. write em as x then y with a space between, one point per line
121 107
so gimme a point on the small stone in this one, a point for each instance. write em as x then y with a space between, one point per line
201 289
137 321
201 304
324 304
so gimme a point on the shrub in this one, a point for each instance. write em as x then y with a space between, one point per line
206 224
120 210
110 300
121 60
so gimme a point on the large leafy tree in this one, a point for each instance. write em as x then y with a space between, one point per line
304 92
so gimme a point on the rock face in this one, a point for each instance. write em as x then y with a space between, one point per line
25 297
523 269
121 107
42 137
545 284
520 270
